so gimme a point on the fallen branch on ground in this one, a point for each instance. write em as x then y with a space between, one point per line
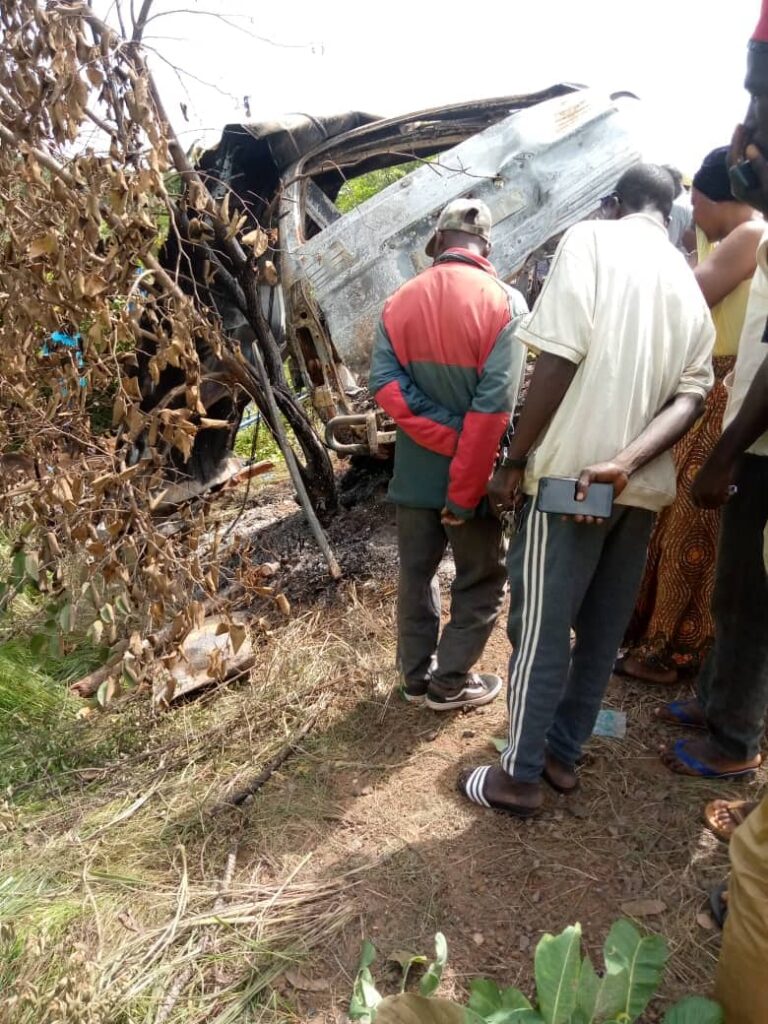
289 747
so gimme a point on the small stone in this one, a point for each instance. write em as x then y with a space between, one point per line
478 938
705 921
468 734
432 736
536 897
366 791
524 943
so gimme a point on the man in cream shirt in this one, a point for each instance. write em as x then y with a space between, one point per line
624 338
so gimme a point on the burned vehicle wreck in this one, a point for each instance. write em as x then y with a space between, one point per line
541 162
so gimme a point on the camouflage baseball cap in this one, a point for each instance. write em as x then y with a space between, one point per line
471 216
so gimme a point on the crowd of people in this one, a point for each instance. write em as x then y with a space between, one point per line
650 375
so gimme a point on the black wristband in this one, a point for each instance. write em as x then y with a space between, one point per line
507 463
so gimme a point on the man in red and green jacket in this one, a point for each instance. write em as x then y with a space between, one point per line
446 367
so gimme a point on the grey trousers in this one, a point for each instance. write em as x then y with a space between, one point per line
564 574
733 683
476 594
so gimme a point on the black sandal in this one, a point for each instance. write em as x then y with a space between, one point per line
471 784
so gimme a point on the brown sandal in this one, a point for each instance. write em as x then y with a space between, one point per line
738 811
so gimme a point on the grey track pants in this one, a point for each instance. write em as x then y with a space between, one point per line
476 594
565 574
733 683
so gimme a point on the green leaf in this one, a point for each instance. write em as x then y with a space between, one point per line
634 965
500 743
32 567
521 1016
695 1010
557 965
54 644
431 979
38 644
365 997
18 568
66 618
367 955
586 997
484 996
494 1004
413 1009
105 692
406 959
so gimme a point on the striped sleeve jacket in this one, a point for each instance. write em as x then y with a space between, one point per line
446 367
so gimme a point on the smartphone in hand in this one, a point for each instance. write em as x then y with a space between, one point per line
557 495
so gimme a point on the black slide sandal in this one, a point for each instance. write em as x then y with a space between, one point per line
471 784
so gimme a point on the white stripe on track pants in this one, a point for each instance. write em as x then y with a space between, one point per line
564 574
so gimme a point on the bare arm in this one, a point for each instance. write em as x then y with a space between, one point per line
732 262
665 429
710 488
551 379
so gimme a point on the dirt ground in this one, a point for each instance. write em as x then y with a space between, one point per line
360 833
374 787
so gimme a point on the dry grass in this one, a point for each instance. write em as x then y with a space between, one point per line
128 895
132 894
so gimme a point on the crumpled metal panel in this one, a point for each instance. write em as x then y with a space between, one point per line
540 170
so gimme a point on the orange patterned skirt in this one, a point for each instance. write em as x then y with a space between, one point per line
672 625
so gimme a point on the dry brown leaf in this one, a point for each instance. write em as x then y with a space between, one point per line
237 635
705 921
43 245
305 984
269 273
643 908
258 240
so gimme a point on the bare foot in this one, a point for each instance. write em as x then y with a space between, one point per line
561 777
640 669
700 758
725 816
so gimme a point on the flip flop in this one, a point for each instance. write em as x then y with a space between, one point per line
701 770
471 784
675 714
738 810
718 905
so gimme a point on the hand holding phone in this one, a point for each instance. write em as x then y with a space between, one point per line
558 496
588 499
